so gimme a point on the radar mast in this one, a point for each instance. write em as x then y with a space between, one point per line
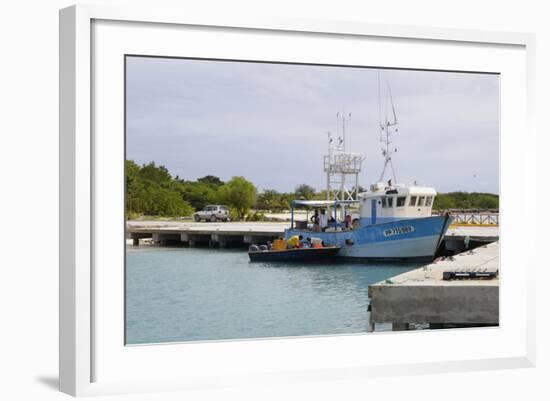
388 128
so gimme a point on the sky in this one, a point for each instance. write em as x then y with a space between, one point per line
269 122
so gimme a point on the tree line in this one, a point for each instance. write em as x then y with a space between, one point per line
151 190
466 200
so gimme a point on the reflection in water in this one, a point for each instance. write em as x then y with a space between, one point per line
195 294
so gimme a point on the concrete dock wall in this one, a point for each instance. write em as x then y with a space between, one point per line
422 296
461 304
205 234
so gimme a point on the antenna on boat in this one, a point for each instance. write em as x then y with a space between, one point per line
342 117
387 129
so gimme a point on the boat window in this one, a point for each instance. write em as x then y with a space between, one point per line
413 201
384 201
390 201
421 201
429 201
401 201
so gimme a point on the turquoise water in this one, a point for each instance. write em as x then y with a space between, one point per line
198 294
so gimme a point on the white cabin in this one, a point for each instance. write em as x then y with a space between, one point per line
384 203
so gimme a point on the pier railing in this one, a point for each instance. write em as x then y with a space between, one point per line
474 217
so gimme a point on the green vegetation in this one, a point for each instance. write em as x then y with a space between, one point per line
304 192
199 193
238 193
274 201
151 190
466 200
256 216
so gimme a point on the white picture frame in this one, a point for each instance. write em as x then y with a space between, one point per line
83 344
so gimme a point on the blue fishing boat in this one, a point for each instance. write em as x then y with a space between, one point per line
394 223
390 221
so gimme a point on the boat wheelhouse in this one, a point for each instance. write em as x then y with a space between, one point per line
385 203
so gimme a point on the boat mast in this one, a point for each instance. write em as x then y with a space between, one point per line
342 167
342 117
387 129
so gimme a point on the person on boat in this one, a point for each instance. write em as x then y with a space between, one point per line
347 222
294 241
315 220
323 220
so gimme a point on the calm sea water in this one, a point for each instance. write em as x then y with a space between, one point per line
190 294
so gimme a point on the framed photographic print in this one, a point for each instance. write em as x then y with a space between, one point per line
278 200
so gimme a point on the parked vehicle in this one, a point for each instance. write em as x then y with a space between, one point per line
213 213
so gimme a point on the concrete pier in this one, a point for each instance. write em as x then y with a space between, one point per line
421 296
244 233
461 238
206 234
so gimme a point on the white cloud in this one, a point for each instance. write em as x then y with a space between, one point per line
268 122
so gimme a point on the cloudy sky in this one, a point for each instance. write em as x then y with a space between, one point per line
269 122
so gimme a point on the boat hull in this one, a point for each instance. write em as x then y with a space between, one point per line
294 255
409 239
